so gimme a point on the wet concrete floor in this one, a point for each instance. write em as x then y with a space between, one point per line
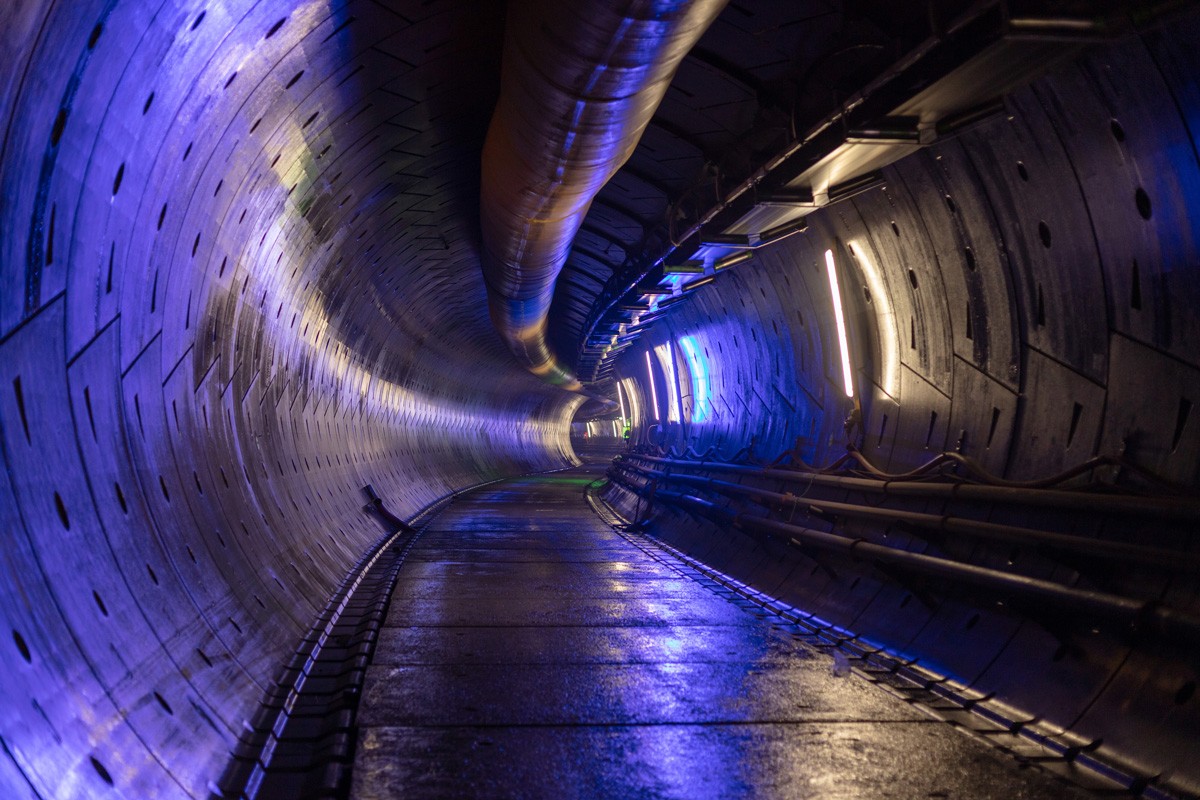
531 651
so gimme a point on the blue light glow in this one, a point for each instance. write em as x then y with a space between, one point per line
666 359
701 402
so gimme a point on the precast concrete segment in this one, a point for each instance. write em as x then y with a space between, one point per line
532 651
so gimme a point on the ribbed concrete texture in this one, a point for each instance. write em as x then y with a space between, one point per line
240 280
532 651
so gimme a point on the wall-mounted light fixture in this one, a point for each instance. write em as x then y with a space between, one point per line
666 359
633 401
699 370
840 316
653 390
885 318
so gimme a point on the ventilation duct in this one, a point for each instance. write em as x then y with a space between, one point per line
580 82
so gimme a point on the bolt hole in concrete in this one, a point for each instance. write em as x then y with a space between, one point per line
101 770
22 647
1142 200
61 508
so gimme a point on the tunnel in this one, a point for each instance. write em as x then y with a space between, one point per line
877 322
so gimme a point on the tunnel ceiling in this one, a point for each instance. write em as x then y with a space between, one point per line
732 102
762 76
332 152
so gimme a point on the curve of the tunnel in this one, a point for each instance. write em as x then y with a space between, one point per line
240 282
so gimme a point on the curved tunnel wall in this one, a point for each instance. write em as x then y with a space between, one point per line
1026 294
231 297
1048 257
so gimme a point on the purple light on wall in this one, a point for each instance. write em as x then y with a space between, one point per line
699 370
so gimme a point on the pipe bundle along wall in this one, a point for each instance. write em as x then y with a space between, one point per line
1028 295
230 298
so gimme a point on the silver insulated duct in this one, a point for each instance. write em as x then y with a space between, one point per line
580 81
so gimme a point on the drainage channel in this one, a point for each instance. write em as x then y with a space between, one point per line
301 742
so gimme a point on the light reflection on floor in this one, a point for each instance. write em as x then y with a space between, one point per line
531 651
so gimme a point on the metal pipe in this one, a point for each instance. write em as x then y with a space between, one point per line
1138 615
1156 556
580 82
1166 507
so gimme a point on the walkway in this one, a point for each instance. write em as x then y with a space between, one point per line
532 651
